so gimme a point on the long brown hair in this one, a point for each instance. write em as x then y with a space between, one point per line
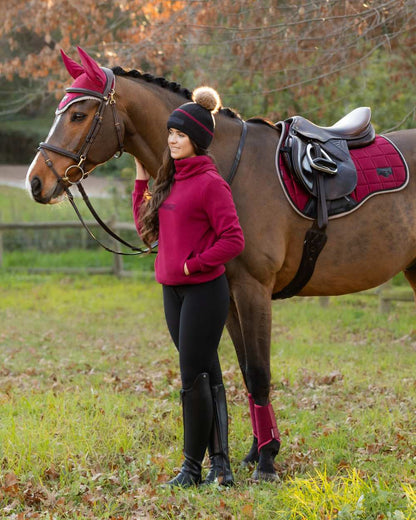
149 211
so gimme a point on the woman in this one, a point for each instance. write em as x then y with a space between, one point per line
192 214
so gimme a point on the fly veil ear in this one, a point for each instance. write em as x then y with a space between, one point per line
89 78
94 72
88 66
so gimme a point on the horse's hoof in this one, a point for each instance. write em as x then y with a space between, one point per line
249 462
263 476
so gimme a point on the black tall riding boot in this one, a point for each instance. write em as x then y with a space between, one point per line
197 422
220 470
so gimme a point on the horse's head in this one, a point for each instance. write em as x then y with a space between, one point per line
86 132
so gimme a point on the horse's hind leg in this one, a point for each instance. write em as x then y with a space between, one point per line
252 307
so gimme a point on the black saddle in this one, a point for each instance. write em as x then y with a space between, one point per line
319 157
355 128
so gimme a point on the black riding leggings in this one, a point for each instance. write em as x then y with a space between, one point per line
195 315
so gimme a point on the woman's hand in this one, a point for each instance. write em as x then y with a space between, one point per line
185 269
141 173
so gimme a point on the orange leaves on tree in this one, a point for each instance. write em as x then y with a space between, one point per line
251 46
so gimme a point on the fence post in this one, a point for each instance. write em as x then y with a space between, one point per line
324 301
117 259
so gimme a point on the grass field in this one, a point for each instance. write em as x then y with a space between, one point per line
90 421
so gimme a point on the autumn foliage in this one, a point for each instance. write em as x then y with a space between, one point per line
261 48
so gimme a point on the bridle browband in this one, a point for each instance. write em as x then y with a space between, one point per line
106 98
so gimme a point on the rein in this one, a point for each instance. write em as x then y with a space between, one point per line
138 250
107 98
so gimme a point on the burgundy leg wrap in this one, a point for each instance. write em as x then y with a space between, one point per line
252 414
266 425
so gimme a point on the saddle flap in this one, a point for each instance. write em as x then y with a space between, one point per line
330 160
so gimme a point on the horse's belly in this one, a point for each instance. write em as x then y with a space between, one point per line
367 248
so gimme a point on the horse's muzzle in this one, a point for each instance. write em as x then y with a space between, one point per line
36 187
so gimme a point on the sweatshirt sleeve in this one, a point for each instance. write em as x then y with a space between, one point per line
140 188
220 208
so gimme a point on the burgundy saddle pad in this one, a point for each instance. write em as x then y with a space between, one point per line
380 168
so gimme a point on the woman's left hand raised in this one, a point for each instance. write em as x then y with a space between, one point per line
141 172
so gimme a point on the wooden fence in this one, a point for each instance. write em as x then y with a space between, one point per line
117 267
386 293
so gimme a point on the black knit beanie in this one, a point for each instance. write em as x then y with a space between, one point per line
195 119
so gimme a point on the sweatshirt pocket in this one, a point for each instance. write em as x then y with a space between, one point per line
193 264
178 268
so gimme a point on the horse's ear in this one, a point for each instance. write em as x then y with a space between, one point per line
72 66
91 67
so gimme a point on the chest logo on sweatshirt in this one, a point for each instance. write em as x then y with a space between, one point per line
169 206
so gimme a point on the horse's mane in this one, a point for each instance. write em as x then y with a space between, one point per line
170 85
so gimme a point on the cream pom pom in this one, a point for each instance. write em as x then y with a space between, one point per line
208 98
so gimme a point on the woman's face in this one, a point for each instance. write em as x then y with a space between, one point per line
180 145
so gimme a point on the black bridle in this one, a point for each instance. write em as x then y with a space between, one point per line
105 99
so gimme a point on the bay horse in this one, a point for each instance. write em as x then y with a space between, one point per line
364 248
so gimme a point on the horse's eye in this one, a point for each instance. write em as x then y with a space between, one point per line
78 116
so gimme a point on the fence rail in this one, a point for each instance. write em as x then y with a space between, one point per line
117 267
385 293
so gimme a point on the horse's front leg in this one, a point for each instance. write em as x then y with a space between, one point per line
251 310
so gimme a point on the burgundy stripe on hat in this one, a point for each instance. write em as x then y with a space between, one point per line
195 120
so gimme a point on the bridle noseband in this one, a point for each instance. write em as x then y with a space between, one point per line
106 98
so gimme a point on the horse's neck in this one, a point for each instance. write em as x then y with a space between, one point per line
146 108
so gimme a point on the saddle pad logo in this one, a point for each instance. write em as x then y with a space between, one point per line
385 172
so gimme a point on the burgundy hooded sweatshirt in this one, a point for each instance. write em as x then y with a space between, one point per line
198 224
